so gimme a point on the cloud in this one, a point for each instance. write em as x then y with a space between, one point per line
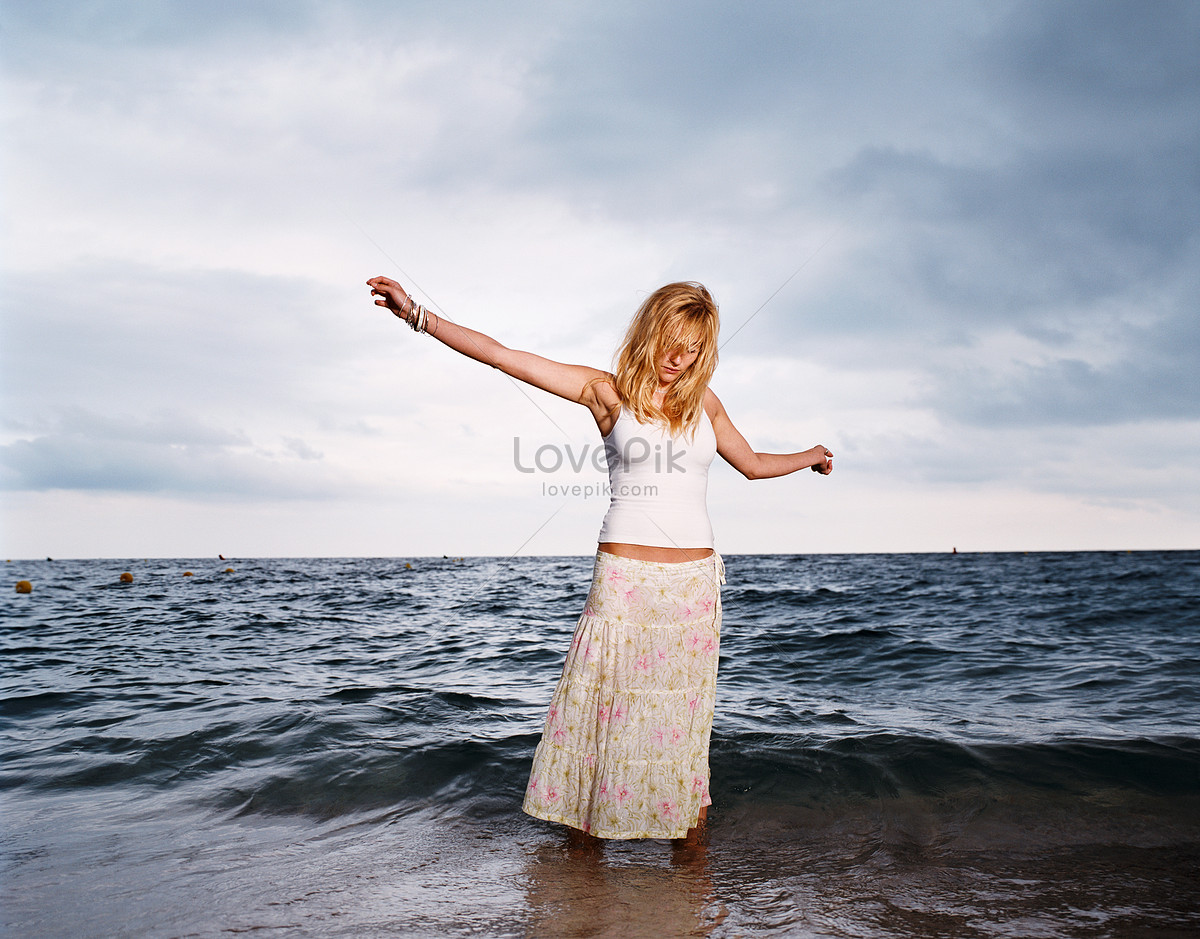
1050 279
1148 374
169 454
1021 239
302 449
719 113
134 378
1129 60
132 337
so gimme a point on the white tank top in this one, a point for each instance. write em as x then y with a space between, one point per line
659 484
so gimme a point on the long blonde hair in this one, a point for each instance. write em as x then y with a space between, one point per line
680 314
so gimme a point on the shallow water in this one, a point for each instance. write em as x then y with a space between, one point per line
905 745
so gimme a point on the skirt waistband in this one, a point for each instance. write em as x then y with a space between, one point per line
714 562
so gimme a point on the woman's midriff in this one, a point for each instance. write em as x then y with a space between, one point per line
645 552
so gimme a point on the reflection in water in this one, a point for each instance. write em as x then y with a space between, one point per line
621 889
879 875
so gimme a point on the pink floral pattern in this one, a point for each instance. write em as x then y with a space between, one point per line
624 751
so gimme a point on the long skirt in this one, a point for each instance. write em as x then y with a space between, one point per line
624 751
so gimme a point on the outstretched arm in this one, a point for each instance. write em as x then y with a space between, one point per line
738 453
573 382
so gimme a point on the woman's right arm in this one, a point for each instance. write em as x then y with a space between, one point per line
574 382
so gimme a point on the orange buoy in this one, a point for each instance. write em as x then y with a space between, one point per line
188 574
24 586
127 578
229 570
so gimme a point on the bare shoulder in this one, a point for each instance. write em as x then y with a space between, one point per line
600 393
603 387
712 404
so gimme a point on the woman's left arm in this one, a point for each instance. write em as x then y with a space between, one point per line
738 453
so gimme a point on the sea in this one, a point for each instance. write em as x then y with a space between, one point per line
905 745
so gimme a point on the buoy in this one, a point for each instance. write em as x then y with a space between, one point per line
407 566
188 574
24 586
229 570
127 578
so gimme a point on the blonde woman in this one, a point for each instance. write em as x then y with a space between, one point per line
624 750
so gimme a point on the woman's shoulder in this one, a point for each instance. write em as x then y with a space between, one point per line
600 397
712 404
603 389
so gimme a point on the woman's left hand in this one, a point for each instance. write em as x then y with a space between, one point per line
825 466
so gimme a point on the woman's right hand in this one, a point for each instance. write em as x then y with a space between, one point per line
389 294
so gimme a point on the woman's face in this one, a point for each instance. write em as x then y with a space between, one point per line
674 361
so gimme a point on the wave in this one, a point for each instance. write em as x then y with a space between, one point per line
880 788
852 793
920 794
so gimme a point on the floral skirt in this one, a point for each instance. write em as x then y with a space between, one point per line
624 752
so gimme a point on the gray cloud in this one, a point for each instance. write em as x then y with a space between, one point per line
642 96
1152 377
1134 61
135 338
138 379
167 454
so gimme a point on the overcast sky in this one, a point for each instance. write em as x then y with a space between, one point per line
990 211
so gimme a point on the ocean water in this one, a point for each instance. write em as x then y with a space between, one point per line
970 745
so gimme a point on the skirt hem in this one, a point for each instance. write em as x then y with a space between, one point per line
609 835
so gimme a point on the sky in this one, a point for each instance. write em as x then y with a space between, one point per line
954 242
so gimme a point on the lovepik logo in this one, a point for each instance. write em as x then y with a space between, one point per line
550 458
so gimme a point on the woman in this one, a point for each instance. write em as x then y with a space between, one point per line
624 751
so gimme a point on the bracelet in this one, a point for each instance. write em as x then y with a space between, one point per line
400 313
418 318
416 315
